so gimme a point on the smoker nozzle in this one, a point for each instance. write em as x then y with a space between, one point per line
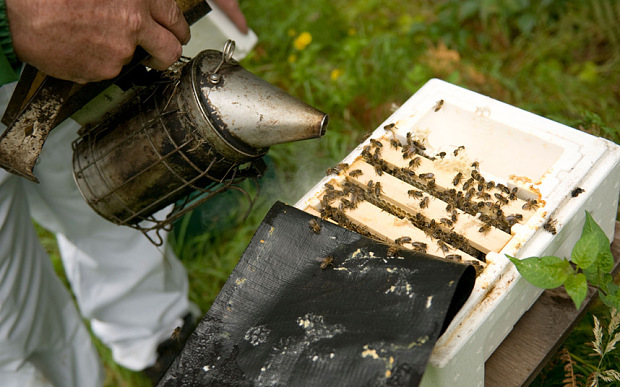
248 112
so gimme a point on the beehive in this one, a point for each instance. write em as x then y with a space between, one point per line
465 177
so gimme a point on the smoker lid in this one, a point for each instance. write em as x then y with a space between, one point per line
286 317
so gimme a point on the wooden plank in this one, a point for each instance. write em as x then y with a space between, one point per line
395 192
389 227
539 334
444 178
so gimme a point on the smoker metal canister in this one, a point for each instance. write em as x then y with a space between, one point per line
174 138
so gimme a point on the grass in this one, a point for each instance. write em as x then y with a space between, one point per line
556 58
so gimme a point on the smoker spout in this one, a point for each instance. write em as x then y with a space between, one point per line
246 109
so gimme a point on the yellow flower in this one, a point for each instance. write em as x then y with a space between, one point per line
292 58
351 31
335 74
291 32
302 41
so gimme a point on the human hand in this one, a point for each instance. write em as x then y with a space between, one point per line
232 10
90 40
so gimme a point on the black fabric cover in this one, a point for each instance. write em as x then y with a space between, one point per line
282 320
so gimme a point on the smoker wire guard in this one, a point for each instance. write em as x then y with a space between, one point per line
177 139
281 320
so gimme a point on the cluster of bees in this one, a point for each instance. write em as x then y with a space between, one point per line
470 192
477 195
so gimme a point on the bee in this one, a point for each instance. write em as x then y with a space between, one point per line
390 127
504 189
330 187
431 184
376 157
502 200
355 173
438 105
415 162
454 257
441 155
407 172
314 226
392 251
327 212
419 246
467 184
395 143
550 226
326 262
443 246
376 143
513 194
176 334
576 192
336 169
425 176
485 218
370 185
457 150
457 179
485 228
408 152
530 204
445 221
378 189
454 216
415 193
514 218
344 203
419 145
402 240
475 165
449 207
490 184
378 170
483 195
354 200
424 202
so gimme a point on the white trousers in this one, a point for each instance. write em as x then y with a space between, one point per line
133 293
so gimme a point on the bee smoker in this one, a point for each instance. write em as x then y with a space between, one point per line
196 132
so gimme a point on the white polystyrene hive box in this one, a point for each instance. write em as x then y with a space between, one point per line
520 149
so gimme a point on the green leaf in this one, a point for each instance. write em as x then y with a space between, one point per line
591 227
611 299
592 253
576 286
543 272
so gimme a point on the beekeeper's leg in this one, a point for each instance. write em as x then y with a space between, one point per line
133 293
42 337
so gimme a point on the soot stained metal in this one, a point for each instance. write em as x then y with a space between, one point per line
186 137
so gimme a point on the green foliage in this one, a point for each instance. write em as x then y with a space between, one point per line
593 263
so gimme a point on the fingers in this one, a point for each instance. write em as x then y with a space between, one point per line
168 14
232 10
163 35
164 47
